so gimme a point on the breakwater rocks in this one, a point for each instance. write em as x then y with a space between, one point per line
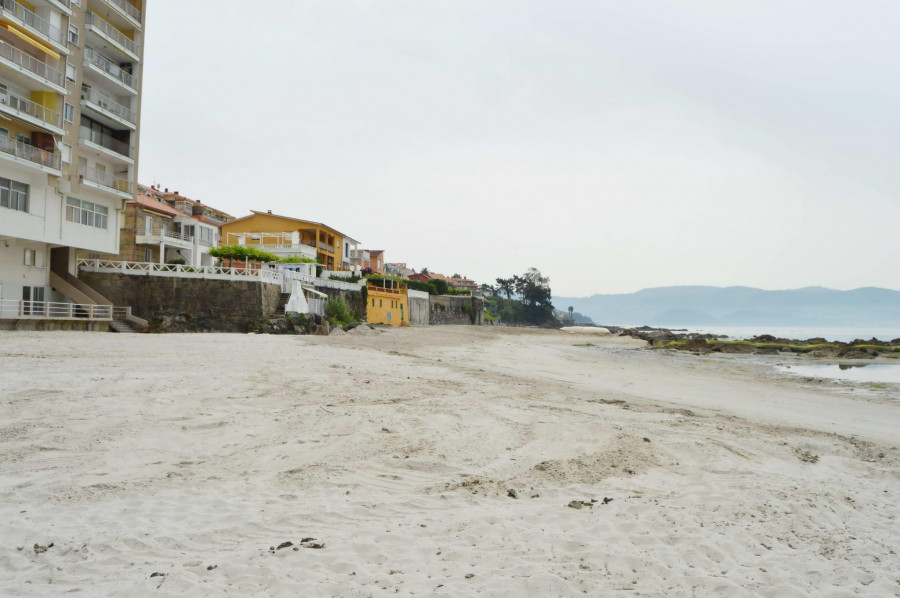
765 344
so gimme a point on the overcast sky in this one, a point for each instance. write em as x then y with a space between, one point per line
613 145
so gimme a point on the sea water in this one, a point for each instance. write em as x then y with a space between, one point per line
855 372
844 335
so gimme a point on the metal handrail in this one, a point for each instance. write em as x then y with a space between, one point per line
110 68
106 141
106 179
110 105
12 308
33 21
30 63
29 152
25 106
96 23
131 10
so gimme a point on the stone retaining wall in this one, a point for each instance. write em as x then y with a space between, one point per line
189 304
456 309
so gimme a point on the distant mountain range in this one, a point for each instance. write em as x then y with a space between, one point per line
741 306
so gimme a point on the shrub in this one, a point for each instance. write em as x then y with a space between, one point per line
338 312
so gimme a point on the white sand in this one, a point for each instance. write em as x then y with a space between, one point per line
136 454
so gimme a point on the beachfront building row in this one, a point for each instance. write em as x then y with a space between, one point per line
165 227
70 103
286 236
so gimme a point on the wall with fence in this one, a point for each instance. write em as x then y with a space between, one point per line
183 304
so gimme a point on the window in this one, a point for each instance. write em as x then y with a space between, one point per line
148 254
206 235
24 139
69 111
73 35
71 71
13 195
66 153
32 295
148 225
87 213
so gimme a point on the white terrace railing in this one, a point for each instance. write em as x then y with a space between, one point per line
30 63
26 151
107 30
130 9
19 309
105 179
110 68
166 233
180 271
92 96
32 20
22 105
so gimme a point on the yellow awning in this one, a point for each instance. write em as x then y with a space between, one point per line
28 39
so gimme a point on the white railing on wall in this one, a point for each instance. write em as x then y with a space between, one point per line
16 309
179 270
271 276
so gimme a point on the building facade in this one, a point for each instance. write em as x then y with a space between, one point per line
387 303
167 228
70 101
286 236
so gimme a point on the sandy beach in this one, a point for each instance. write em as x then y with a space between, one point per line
443 461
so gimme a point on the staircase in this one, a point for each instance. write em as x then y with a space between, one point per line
122 327
73 288
285 297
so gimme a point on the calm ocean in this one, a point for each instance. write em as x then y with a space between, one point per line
832 334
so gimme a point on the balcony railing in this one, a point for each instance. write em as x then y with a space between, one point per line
26 106
30 63
107 142
29 152
129 9
32 20
12 308
166 234
106 179
110 105
110 68
98 24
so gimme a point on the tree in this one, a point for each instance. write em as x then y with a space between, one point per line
505 285
425 271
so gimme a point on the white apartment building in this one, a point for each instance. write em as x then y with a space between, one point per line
70 79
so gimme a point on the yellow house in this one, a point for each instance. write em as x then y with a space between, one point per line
283 235
387 303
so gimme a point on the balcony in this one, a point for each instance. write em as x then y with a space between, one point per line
110 70
326 247
31 112
29 155
288 250
104 30
164 236
31 67
20 14
106 145
127 10
108 107
105 181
